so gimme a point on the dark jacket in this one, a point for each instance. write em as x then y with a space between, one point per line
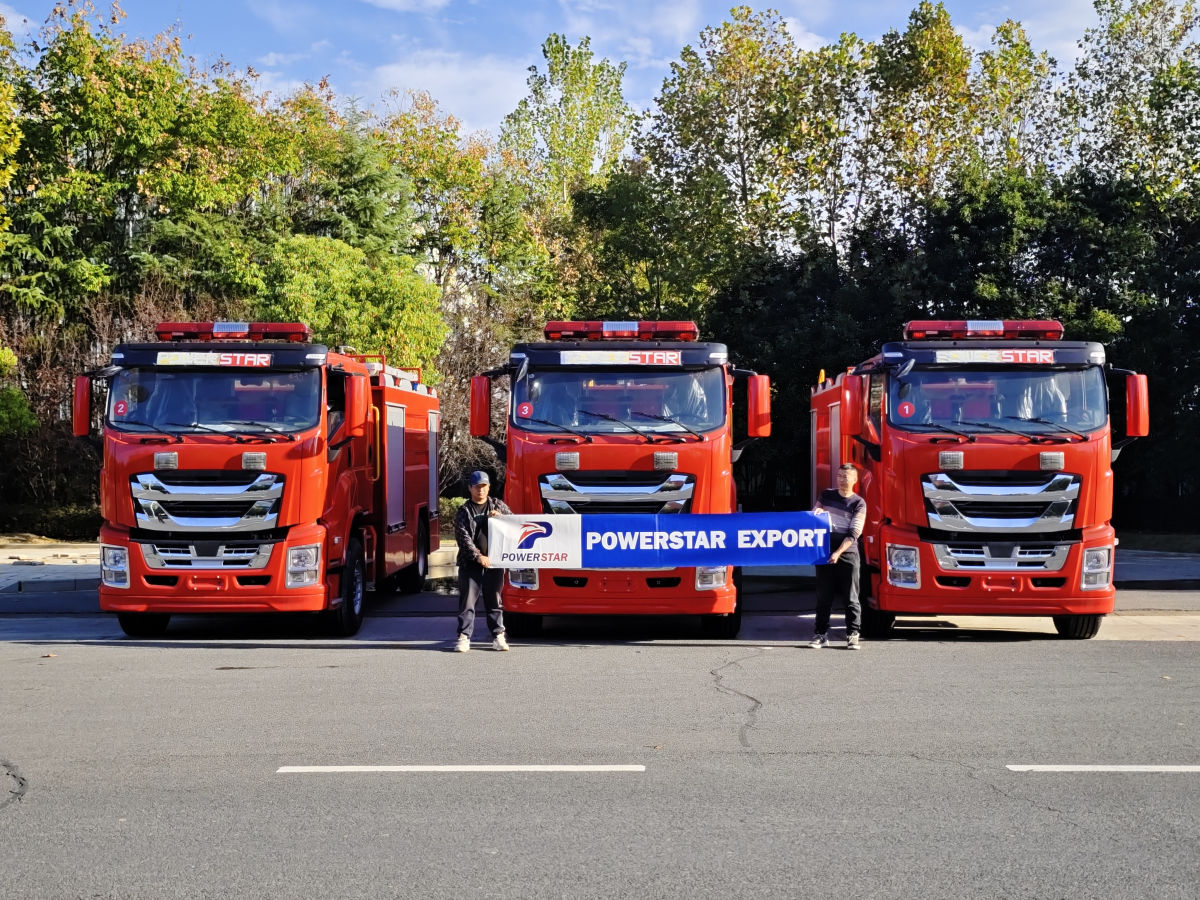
470 530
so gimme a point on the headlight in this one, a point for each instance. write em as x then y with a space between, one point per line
904 566
1097 568
523 578
710 577
303 565
114 566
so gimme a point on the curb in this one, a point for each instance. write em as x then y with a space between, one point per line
51 585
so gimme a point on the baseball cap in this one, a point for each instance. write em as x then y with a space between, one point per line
477 478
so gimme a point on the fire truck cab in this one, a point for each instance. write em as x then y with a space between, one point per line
985 456
621 417
247 469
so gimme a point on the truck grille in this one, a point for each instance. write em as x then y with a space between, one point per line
1000 556
1001 502
202 554
206 500
617 492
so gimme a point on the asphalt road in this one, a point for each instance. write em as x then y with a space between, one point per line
151 769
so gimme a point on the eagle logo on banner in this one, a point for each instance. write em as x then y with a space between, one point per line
531 531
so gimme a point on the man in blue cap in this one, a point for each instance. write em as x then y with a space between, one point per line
476 577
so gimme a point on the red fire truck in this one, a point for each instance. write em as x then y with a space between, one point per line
247 469
985 454
621 417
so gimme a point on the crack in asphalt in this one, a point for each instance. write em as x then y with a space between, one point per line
751 718
14 793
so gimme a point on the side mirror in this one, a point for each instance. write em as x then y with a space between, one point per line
481 406
1137 406
81 407
758 416
851 422
358 405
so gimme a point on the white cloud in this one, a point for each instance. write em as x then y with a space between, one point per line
419 6
19 25
271 60
805 39
479 91
611 22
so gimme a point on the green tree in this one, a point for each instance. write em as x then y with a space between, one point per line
571 129
387 307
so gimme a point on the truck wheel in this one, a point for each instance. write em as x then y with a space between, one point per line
522 625
347 618
1078 628
412 577
725 626
722 627
877 625
144 625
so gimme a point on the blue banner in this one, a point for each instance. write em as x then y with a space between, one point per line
658 541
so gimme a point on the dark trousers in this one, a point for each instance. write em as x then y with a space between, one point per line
838 581
473 582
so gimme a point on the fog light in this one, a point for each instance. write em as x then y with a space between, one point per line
523 578
114 566
904 566
710 577
303 565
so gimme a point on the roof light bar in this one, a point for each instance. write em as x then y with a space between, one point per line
614 331
979 329
294 332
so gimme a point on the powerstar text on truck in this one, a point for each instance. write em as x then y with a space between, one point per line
247 469
621 417
985 452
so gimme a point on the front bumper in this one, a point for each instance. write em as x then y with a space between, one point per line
965 592
213 589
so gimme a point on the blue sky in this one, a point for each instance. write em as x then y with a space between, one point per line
473 55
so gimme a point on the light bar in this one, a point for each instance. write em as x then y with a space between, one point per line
294 332
978 329
615 331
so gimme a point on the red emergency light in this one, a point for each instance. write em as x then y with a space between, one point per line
978 329
613 331
295 332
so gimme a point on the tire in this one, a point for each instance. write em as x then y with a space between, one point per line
877 625
1077 628
144 625
412 577
725 626
522 625
347 618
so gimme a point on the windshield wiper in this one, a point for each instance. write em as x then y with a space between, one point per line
178 439
560 427
287 436
1078 434
668 419
237 437
633 428
1033 438
966 437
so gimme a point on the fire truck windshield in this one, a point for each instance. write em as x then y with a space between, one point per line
670 401
207 400
1026 400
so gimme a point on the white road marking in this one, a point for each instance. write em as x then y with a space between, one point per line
310 770
1104 768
